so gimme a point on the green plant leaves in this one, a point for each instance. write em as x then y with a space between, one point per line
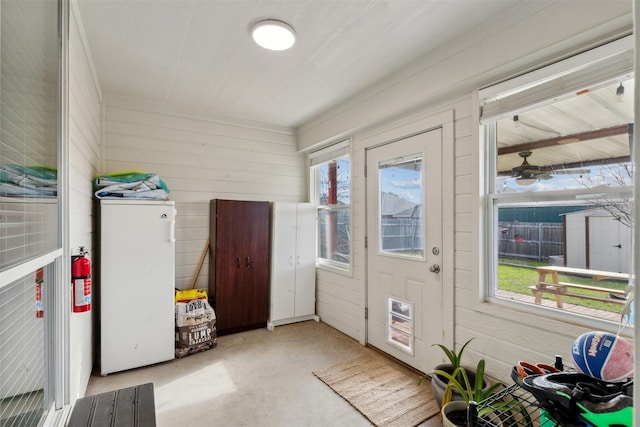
454 358
459 380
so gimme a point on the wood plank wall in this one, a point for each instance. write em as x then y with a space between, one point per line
202 159
85 153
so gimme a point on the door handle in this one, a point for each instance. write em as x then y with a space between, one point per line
435 268
618 246
248 262
172 231
238 262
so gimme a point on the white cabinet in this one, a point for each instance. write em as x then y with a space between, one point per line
293 263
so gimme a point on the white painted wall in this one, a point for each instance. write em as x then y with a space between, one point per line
446 80
84 164
202 159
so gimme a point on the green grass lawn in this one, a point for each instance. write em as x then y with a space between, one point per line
517 278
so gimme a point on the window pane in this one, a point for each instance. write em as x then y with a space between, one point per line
333 234
401 207
577 143
587 236
28 130
22 355
400 324
334 180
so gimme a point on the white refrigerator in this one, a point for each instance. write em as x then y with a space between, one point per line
137 283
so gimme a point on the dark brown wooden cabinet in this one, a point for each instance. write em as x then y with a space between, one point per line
239 264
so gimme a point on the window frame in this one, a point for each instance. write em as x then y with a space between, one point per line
499 94
57 318
316 160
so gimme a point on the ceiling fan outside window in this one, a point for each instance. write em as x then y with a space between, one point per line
527 174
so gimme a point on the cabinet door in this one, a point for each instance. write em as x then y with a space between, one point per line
283 259
241 237
229 265
305 294
256 232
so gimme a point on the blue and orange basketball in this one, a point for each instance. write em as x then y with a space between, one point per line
603 355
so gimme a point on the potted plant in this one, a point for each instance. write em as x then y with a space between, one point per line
454 412
439 382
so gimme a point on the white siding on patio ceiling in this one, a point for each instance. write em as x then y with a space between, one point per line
568 114
197 55
589 127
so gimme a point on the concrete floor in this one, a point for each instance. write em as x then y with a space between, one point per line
254 378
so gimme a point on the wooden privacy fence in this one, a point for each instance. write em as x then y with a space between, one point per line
530 240
401 234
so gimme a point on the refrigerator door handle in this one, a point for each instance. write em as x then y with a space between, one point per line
172 231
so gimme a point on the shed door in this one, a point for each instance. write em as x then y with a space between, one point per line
609 244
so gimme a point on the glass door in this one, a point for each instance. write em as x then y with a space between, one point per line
404 231
30 239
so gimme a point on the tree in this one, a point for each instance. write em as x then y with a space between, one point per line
340 182
616 175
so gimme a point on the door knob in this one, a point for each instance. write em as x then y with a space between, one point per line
435 268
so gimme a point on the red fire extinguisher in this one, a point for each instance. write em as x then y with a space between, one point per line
39 303
81 280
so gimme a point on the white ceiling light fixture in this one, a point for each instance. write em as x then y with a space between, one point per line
273 34
526 181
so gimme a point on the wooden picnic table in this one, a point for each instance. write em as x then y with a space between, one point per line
548 282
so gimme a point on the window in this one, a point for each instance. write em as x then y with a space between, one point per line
401 214
33 40
400 324
560 181
331 181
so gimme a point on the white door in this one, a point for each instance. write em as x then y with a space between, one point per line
404 233
293 262
283 258
609 244
305 300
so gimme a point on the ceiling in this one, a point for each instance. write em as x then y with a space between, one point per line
198 55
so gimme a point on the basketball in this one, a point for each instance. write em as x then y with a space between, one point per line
603 355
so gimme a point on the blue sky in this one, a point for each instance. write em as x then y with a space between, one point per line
403 182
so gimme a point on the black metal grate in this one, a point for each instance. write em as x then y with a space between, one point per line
512 406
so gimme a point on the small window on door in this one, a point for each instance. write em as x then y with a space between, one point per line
401 207
400 324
